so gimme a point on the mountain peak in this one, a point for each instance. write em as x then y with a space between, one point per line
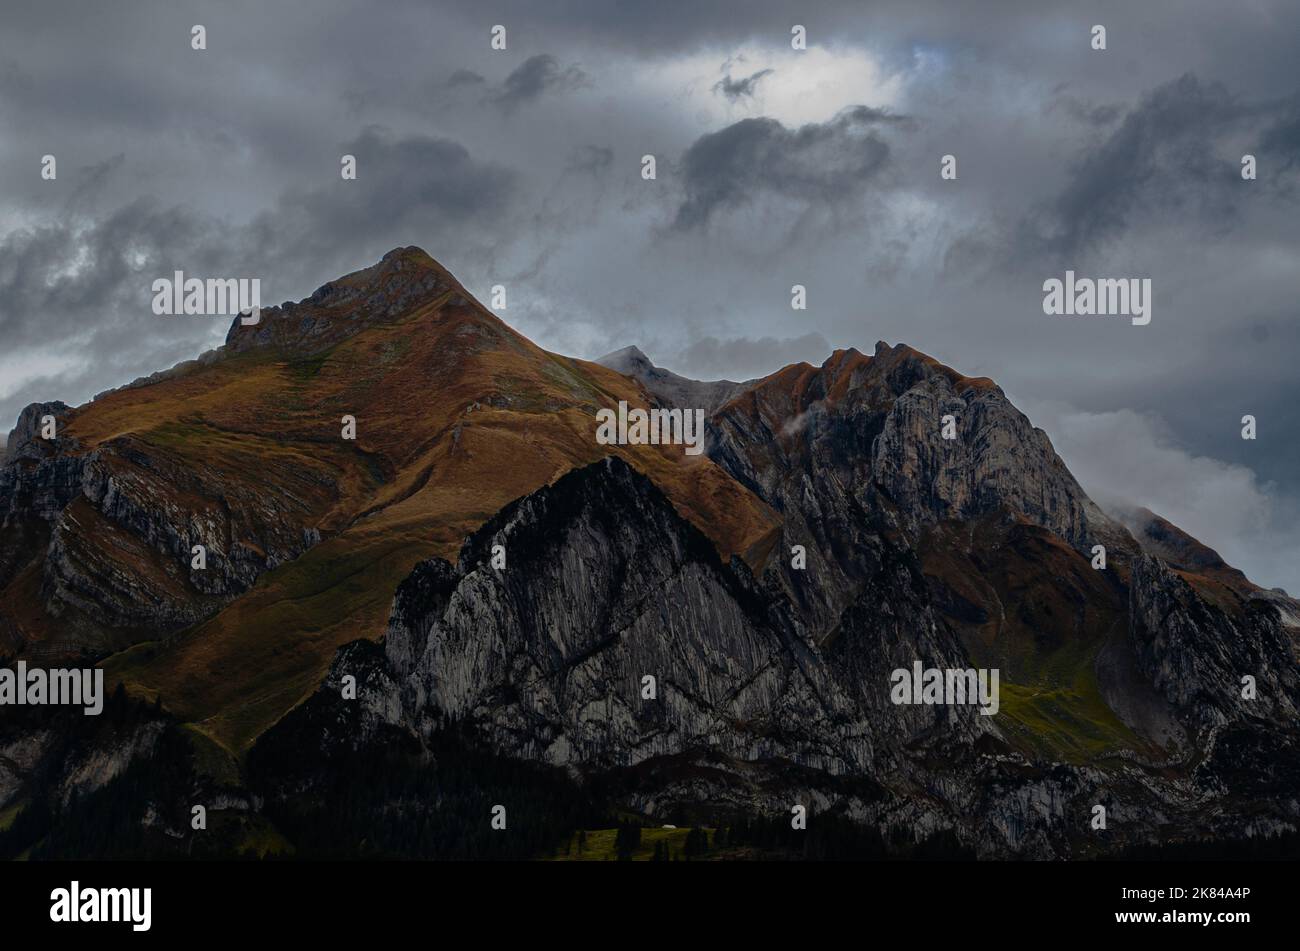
627 359
403 280
413 254
667 387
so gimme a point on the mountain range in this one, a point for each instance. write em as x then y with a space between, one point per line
496 587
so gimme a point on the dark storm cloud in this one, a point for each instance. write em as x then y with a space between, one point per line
402 183
538 75
735 89
819 163
1169 153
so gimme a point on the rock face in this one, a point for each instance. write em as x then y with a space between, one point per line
860 439
109 532
1196 652
996 460
605 585
24 438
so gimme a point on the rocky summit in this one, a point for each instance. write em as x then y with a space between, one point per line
425 590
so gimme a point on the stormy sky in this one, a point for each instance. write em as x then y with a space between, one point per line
775 167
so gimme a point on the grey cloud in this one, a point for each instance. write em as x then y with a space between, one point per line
738 358
592 159
92 179
357 101
14 82
1165 155
816 163
411 175
1281 141
538 75
734 89
1085 112
1149 41
465 77
1125 459
410 190
78 289
78 279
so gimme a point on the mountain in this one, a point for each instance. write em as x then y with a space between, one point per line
845 521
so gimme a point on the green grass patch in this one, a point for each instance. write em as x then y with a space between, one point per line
307 369
1072 724
178 436
9 813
